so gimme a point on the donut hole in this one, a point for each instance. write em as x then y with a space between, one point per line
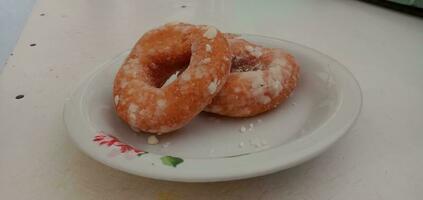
246 65
164 73
166 51
171 64
166 68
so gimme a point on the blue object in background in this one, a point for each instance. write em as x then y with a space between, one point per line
13 15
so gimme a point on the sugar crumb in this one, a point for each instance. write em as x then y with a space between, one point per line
254 51
210 33
171 79
213 87
152 139
264 99
243 129
161 104
241 144
255 142
208 48
251 128
205 61
165 145
116 100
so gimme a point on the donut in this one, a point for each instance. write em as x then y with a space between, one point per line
142 96
261 78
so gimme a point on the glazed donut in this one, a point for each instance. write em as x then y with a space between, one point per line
143 100
261 78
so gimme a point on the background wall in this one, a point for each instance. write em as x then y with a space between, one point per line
13 15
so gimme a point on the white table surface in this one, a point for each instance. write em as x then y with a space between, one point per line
380 158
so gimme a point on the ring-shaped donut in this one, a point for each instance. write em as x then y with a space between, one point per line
261 78
143 100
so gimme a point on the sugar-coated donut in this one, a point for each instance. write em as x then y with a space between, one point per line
261 78
147 104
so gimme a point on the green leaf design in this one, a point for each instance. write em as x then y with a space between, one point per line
171 161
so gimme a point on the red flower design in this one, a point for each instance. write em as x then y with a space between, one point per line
110 140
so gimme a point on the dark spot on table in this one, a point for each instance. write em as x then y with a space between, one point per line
19 96
42 14
11 54
33 45
183 6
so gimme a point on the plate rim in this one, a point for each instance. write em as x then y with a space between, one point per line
174 174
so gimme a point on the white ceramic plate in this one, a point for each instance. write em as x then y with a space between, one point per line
323 107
